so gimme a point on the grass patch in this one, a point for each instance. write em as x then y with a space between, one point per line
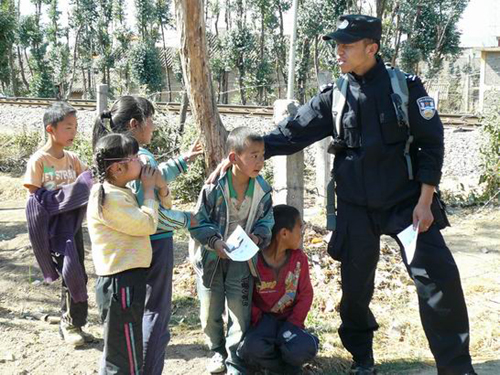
185 313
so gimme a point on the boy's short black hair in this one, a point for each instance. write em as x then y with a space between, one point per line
56 113
240 137
285 216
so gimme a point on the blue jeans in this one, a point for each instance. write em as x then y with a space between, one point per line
232 283
158 306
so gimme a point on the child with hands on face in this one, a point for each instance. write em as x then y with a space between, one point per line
119 230
133 115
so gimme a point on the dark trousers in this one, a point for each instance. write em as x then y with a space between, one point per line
156 334
74 313
278 346
120 301
442 306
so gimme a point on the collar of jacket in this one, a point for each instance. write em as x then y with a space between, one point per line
259 179
369 75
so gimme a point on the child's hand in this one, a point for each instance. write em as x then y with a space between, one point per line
193 221
223 166
219 248
195 150
148 177
254 238
160 182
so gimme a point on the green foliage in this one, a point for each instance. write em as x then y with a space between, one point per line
82 146
422 30
146 19
490 151
42 84
146 66
16 149
7 38
187 186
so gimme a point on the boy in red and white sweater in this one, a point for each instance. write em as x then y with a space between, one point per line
281 301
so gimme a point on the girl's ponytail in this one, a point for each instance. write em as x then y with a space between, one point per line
99 130
100 174
124 109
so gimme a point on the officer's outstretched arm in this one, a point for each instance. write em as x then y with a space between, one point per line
312 123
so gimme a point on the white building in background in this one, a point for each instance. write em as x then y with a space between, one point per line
480 27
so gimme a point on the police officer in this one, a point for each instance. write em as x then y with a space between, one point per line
376 196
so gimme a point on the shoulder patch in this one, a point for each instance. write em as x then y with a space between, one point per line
411 77
325 88
426 107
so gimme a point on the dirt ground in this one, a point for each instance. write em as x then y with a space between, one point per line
29 345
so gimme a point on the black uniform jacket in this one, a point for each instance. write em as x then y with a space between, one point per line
371 171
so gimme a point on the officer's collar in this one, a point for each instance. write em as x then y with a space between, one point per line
369 75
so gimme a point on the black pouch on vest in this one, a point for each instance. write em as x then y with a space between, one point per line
438 209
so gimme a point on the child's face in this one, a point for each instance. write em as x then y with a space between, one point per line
64 133
294 238
129 168
144 132
251 161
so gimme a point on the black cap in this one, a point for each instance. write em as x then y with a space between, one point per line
354 27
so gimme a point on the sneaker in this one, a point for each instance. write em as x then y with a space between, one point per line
359 369
87 337
216 364
71 335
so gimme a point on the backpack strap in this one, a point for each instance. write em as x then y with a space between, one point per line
338 104
400 98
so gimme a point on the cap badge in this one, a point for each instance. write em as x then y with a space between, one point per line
343 24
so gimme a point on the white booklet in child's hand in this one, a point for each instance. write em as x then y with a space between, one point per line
241 247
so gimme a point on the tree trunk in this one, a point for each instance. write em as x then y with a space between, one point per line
28 62
316 61
13 78
303 70
21 66
397 41
262 42
225 87
380 8
282 54
241 75
197 80
73 73
84 93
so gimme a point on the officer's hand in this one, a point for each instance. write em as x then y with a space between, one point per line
221 168
422 213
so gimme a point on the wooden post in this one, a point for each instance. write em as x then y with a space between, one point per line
323 169
288 170
102 98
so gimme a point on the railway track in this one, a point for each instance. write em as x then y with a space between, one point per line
465 120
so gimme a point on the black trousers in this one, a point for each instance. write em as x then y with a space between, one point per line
120 300
278 346
74 313
443 312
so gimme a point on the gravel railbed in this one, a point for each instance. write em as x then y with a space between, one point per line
461 164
